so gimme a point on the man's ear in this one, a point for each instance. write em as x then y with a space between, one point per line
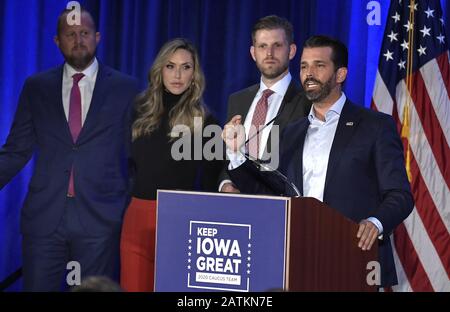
292 51
97 37
252 52
56 40
341 74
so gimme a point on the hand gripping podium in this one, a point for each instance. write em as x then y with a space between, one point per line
232 242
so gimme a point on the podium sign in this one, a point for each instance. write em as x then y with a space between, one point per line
220 242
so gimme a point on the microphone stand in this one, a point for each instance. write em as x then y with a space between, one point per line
266 167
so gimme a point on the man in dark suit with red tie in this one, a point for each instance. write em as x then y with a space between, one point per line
277 95
76 117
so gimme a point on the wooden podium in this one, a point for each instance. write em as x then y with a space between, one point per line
323 253
294 244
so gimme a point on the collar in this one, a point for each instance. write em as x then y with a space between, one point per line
89 72
280 87
335 109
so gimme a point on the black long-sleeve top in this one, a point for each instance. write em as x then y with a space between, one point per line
154 167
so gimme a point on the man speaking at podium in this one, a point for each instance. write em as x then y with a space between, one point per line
347 156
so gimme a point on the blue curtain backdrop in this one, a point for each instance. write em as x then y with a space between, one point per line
132 33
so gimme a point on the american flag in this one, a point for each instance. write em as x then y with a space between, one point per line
413 85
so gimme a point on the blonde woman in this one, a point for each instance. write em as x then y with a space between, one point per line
173 97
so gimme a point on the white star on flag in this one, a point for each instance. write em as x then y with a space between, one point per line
388 55
421 50
393 36
415 6
396 17
440 38
405 45
425 31
429 12
409 26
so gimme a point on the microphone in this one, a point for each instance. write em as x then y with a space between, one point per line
264 167
258 164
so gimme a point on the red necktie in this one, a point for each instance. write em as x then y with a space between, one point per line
258 120
74 121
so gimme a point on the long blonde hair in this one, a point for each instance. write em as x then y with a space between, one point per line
149 105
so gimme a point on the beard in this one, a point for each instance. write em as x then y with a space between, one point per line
273 71
80 58
321 93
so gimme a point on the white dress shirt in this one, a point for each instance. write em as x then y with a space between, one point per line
86 85
274 104
317 147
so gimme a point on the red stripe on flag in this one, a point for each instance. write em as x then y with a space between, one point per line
418 278
431 125
442 61
431 218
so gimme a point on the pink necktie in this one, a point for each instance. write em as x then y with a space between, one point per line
258 120
74 121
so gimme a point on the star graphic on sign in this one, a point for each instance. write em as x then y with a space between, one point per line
190 241
189 260
409 26
393 36
425 31
388 55
248 265
189 267
248 271
421 50
249 252
249 245
429 12
405 45
440 38
249 258
401 65
190 247
396 17
415 6
189 254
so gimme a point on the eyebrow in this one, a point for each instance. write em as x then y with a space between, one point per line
315 61
187 63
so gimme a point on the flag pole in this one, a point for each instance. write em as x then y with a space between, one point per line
406 109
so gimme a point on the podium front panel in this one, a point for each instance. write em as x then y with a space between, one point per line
220 242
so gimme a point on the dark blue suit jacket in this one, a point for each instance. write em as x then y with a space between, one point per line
99 157
365 176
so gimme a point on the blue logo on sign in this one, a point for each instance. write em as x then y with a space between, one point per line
219 256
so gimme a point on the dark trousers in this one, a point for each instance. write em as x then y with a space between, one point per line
45 259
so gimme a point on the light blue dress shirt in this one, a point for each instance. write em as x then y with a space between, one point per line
316 152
